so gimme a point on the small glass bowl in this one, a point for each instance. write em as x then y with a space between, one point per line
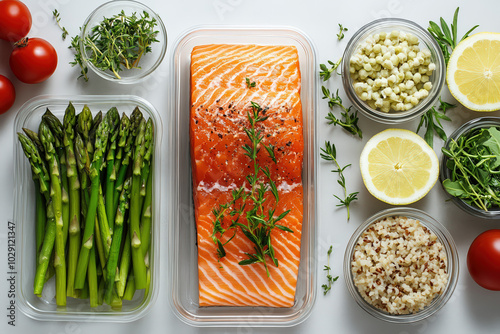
148 63
451 253
477 123
425 40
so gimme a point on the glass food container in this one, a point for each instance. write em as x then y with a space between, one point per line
45 308
425 40
183 261
451 253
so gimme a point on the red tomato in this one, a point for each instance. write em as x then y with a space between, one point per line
15 20
7 94
483 260
33 60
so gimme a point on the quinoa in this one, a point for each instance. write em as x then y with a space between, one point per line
399 265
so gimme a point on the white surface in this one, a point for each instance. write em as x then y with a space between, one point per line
471 309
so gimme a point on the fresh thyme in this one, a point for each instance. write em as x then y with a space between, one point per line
340 35
327 287
119 42
349 119
329 153
447 36
260 222
78 60
326 72
431 120
57 17
250 84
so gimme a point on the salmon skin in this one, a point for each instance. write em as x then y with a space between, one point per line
220 100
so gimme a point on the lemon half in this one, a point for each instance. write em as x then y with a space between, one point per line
398 166
473 74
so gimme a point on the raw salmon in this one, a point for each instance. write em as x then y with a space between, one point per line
220 100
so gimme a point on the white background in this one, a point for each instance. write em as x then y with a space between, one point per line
471 309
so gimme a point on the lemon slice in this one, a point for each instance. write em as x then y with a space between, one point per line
473 74
398 167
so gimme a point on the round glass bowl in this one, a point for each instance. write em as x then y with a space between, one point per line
477 123
451 254
425 41
148 62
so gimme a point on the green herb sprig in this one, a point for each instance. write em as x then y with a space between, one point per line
431 120
119 42
57 17
474 162
250 84
447 36
329 153
78 59
340 35
330 280
260 222
349 119
326 72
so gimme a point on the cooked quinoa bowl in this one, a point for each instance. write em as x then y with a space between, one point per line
401 265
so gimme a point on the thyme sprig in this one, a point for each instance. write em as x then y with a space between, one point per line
120 41
330 279
260 222
349 119
78 59
340 35
447 36
329 153
326 72
57 17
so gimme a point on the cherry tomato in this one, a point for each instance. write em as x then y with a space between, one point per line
7 94
33 60
483 260
15 20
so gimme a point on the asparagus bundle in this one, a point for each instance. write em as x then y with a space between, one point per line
93 184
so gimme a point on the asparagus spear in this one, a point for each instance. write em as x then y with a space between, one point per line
101 142
124 266
41 179
48 141
146 166
57 129
146 217
111 266
74 197
135 210
126 152
111 174
92 277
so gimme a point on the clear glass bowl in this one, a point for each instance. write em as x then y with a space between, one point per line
183 256
425 40
451 252
477 123
45 308
148 63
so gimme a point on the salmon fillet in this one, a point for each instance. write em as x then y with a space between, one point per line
220 100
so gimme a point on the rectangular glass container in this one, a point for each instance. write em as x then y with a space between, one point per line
45 308
183 259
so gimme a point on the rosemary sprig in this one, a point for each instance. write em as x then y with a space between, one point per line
431 119
120 41
260 222
327 287
329 153
349 119
447 36
250 84
326 72
57 17
340 35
